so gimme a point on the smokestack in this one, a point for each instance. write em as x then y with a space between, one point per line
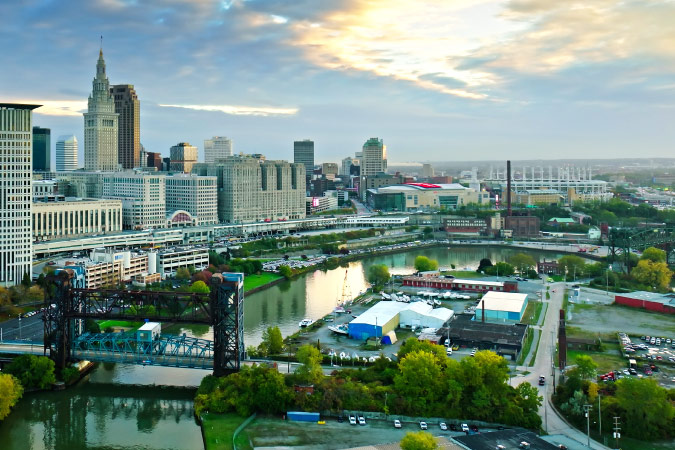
483 310
508 188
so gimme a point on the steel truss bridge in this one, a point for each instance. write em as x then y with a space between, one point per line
624 240
167 350
222 308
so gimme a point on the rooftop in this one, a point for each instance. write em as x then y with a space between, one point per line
666 299
561 220
510 439
381 313
502 301
463 327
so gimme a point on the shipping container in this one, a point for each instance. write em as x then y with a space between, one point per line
299 416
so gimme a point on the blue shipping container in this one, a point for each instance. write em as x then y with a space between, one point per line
299 416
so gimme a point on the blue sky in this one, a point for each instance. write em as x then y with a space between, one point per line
437 80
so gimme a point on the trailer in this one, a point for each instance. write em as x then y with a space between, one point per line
300 416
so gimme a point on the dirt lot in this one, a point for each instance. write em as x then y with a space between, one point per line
611 319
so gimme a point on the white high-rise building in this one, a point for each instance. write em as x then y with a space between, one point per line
16 148
66 153
101 125
198 195
143 198
218 147
374 157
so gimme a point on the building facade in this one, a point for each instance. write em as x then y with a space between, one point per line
66 153
42 149
423 196
143 198
16 139
183 157
218 147
329 169
346 166
316 205
128 107
155 161
167 261
303 153
195 194
101 125
75 217
373 157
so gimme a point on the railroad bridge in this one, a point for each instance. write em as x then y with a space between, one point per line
222 308
624 240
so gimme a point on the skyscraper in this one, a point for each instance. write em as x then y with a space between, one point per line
16 138
303 153
218 147
42 149
374 157
183 157
128 107
101 124
66 153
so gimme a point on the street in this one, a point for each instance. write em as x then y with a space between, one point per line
20 329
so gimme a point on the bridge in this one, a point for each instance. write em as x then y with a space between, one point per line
222 308
624 240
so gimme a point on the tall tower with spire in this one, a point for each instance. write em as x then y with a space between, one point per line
101 124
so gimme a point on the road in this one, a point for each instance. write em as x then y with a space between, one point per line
27 328
553 424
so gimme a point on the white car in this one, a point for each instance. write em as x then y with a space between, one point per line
443 426
465 427
397 423
423 425
352 420
448 351
362 420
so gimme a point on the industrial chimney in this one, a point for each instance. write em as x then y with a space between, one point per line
508 188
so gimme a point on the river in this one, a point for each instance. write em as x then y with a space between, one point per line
109 410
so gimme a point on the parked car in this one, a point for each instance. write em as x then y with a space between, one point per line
542 380
443 426
397 423
423 425
465 428
352 420
340 419
362 420
474 428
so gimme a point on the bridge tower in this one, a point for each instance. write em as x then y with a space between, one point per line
227 316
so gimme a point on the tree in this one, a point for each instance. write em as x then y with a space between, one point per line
199 287
310 371
272 341
5 297
34 294
378 274
501 269
646 408
428 232
656 275
585 368
572 265
483 264
420 440
419 382
26 281
182 273
10 393
33 371
523 262
286 271
424 264
654 255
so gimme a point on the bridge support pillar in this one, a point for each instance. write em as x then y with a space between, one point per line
57 324
227 313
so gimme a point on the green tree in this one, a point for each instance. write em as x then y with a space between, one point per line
419 382
182 273
424 264
501 269
414 345
428 232
420 440
585 369
33 371
654 255
378 274
310 371
484 264
523 262
10 393
286 271
656 275
272 341
646 407
26 281
199 287
572 265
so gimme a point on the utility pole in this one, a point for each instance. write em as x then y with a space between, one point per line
617 432
587 408
599 416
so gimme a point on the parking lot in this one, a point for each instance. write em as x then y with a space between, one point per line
610 319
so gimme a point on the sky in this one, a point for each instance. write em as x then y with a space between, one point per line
438 80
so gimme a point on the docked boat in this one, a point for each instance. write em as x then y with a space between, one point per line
386 296
340 329
305 323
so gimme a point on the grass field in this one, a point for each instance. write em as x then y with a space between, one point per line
464 274
254 281
526 348
532 313
607 360
218 430
118 323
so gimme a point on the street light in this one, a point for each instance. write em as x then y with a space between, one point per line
587 408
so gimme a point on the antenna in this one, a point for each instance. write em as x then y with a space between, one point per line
101 42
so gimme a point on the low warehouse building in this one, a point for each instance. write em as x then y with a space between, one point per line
386 316
503 338
651 301
502 307
420 314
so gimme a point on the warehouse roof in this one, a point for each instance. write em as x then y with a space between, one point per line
381 313
502 301
655 297
464 328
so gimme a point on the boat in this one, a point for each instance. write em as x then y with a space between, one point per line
339 309
340 329
386 296
305 322
437 303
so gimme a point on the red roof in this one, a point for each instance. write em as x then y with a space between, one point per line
425 185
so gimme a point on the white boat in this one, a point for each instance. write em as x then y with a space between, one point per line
305 322
339 309
340 329
386 296
437 303
395 298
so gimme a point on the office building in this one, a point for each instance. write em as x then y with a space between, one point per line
144 158
42 149
427 170
61 218
66 153
101 125
183 157
143 198
197 195
155 161
347 163
373 157
218 147
251 189
128 107
303 153
167 261
423 196
314 205
80 184
105 268
16 139
329 169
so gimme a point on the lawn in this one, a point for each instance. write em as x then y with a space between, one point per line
254 281
464 274
119 323
532 313
218 430
608 360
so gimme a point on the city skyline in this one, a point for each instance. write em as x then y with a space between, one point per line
480 80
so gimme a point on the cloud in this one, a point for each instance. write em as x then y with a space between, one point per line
57 107
240 110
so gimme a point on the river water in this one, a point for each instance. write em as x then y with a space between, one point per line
144 407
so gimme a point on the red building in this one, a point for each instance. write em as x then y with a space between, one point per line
651 301
460 285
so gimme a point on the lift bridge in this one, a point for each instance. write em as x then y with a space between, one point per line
624 240
222 308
